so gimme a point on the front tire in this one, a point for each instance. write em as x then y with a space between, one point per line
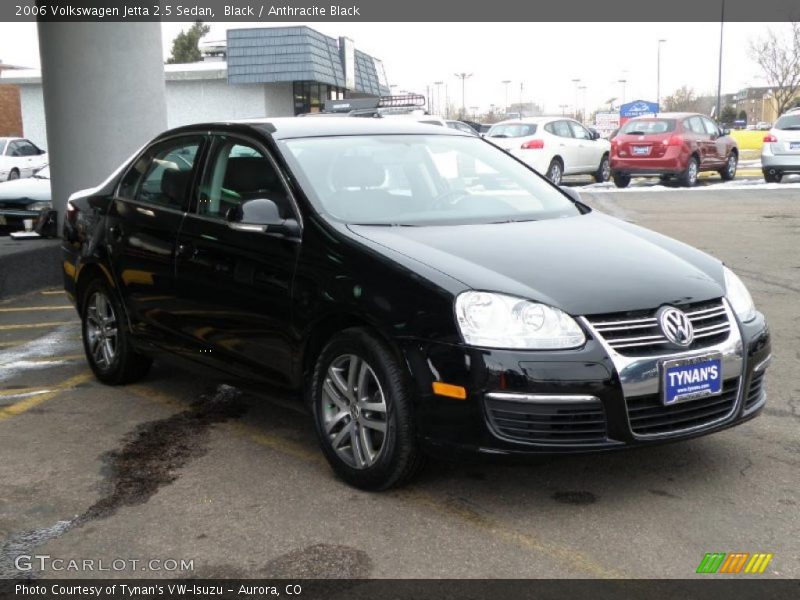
362 405
13 175
603 172
106 340
729 172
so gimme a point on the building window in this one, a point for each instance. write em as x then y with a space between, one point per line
310 96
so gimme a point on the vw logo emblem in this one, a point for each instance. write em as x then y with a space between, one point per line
676 326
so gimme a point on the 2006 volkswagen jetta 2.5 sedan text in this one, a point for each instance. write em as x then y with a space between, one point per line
424 290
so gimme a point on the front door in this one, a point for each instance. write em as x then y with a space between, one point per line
235 282
144 218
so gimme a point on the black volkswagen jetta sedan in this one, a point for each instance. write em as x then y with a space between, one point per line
424 290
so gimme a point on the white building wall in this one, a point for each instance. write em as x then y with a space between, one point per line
278 99
32 101
201 100
190 101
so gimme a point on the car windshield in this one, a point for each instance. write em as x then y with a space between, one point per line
648 126
417 180
512 130
788 122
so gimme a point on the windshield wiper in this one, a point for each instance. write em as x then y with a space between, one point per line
499 135
634 133
384 225
790 128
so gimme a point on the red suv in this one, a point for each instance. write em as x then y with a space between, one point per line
678 145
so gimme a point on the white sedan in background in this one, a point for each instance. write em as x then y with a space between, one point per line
554 146
20 158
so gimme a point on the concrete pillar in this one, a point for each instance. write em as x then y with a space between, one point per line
104 97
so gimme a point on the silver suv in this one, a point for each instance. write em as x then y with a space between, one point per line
780 153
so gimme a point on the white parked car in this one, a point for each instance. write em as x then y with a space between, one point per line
554 146
780 153
20 158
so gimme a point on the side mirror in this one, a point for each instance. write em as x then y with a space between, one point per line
261 214
595 134
726 132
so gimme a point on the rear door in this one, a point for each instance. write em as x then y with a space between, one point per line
566 145
718 150
235 284
144 218
702 140
588 157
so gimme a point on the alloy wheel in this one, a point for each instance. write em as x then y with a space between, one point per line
606 170
101 330
554 174
354 412
691 176
731 166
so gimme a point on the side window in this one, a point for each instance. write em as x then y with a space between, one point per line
695 125
561 129
711 127
579 131
236 173
163 173
13 149
25 148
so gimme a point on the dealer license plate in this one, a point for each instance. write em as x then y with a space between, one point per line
794 145
687 379
641 150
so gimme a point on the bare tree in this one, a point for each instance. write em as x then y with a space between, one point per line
683 99
779 58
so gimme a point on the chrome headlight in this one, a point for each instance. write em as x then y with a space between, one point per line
499 321
739 297
37 206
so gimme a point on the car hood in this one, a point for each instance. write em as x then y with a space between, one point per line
25 191
588 264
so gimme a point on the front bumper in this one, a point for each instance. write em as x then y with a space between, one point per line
590 392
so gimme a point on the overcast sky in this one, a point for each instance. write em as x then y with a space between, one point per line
544 57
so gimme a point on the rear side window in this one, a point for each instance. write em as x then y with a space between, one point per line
162 175
559 128
512 130
788 122
648 127
695 125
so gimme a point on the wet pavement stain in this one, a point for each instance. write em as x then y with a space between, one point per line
575 498
664 494
326 561
150 458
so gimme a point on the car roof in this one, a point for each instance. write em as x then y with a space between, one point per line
281 128
531 120
670 115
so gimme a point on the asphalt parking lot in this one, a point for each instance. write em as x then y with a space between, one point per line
182 468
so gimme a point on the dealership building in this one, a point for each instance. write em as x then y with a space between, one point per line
256 72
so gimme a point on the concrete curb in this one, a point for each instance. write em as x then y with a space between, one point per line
29 265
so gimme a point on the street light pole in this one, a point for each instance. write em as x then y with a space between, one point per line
576 81
438 85
658 77
623 82
506 82
463 77
719 76
583 104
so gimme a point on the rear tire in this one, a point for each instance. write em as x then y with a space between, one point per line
361 400
689 176
603 172
555 172
772 177
621 181
106 339
729 172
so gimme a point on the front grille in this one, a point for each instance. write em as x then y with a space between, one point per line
548 423
637 333
648 416
755 390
